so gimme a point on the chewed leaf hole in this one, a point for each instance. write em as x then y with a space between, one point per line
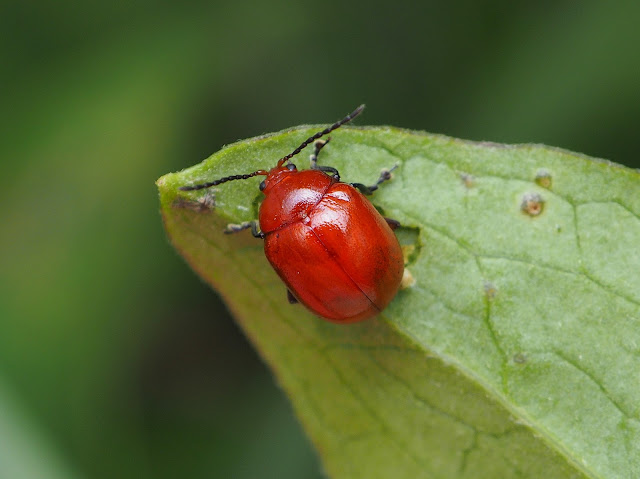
410 241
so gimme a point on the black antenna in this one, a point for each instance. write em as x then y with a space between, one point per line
326 131
306 142
223 180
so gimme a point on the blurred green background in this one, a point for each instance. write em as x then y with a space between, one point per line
115 360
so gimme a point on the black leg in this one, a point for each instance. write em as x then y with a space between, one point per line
291 298
236 228
329 169
317 146
368 190
393 224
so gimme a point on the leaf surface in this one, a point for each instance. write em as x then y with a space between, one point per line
517 351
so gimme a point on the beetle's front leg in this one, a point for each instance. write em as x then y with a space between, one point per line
317 146
236 228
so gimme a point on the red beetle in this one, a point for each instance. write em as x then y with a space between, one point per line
337 255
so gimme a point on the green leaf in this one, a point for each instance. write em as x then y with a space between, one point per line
25 451
517 351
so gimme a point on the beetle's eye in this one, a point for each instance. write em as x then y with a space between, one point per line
291 167
263 185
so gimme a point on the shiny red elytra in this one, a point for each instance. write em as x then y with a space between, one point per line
334 251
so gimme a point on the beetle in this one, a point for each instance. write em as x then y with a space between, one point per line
334 251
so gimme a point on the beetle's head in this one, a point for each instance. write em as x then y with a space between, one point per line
276 175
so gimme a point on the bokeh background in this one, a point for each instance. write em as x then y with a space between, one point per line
115 360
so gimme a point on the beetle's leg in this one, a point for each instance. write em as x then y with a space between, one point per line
329 169
368 190
393 224
317 146
291 298
313 159
236 228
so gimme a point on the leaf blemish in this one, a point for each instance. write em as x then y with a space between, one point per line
205 203
490 290
543 178
408 279
467 180
519 358
532 204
